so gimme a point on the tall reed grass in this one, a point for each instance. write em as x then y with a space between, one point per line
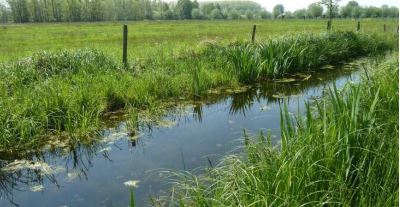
342 152
299 53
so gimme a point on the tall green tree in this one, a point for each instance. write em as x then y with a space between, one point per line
300 13
350 10
278 10
315 10
196 13
184 9
331 6
19 10
4 13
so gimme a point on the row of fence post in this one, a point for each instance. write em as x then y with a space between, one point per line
253 37
329 27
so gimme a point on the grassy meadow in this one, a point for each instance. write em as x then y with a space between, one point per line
155 38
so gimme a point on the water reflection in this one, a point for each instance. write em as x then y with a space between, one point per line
59 172
272 91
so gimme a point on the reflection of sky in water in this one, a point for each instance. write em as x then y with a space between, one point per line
95 176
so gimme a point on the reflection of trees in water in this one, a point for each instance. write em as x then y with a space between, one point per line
269 91
274 93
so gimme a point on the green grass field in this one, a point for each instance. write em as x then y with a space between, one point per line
150 38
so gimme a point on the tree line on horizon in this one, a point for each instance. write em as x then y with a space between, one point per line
22 11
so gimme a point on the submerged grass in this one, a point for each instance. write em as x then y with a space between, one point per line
342 152
67 93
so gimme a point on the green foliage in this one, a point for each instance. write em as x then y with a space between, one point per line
331 6
301 52
342 152
184 9
19 10
196 14
315 10
300 13
278 10
4 14
216 14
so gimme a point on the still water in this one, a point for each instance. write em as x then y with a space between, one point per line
192 134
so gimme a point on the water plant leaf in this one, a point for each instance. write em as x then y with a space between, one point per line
44 168
327 67
114 136
165 123
105 149
279 95
36 188
307 77
72 175
285 80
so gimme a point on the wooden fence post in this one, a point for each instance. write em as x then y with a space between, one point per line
384 27
358 26
253 36
125 45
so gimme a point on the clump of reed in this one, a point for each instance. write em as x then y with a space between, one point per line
342 152
289 54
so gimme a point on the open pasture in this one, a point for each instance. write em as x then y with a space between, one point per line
154 38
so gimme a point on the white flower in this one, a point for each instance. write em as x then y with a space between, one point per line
132 183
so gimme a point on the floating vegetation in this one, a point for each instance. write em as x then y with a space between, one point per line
72 175
44 168
114 136
166 123
285 80
134 136
239 89
214 91
37 188
306 77
105 149
327 67
279 95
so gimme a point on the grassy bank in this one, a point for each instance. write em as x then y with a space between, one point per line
342 152
147 38
66 94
